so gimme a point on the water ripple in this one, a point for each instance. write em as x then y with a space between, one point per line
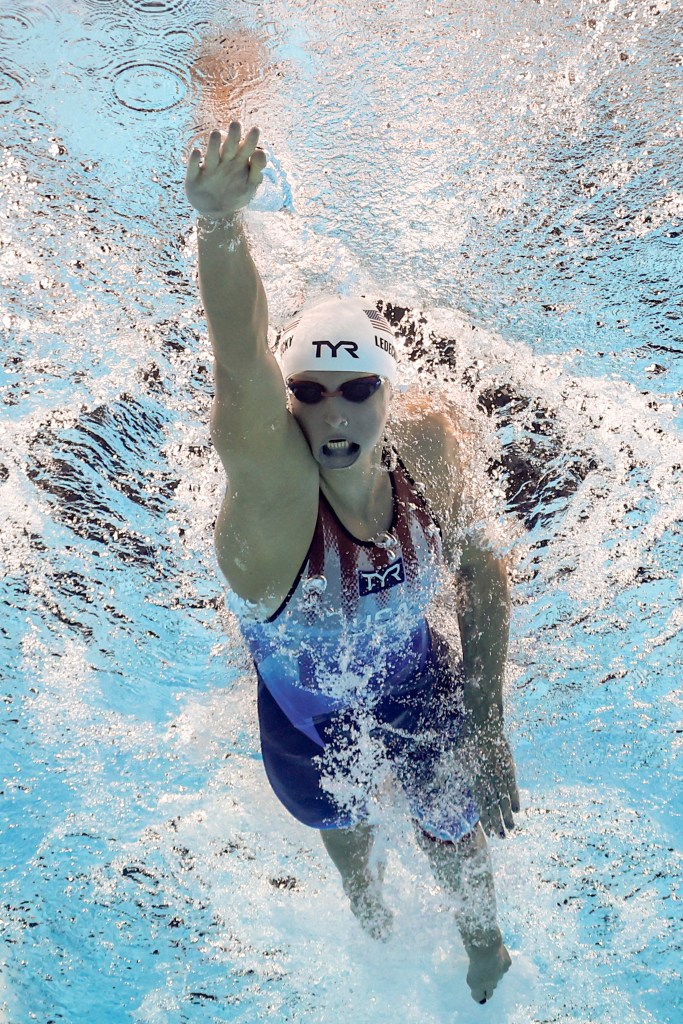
11 87
136 12
90 473
26 16
159 8
148 88
13 26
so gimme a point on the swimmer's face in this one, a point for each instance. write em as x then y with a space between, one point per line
340 431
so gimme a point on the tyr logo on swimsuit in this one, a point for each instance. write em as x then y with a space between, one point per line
377 580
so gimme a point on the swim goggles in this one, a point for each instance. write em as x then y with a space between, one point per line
310 392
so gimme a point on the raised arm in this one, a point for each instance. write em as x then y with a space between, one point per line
219 185
264 526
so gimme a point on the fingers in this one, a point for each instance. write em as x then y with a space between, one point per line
256 167
193 165
511 784
233 147
213 150
497 826
258 160
225 147
495 815
508 780
506 813
494 787
250 142
485 820
491 822
232 141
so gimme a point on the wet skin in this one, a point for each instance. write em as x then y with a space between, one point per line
359 425
218 183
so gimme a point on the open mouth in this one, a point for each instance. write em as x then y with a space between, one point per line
339 447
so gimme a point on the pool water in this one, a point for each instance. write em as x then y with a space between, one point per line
507 179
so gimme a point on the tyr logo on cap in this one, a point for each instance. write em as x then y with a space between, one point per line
349 346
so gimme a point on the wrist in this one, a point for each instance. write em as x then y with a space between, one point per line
484 942
207 222
483 710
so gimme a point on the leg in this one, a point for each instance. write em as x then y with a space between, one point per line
350 850
464 870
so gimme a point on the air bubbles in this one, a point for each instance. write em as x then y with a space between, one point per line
387 541
148 88
56 148
314 587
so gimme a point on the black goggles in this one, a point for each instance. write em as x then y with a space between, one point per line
358 390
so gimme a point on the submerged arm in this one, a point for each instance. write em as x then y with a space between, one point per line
482 602
483 617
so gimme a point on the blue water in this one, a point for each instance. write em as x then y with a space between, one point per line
512 175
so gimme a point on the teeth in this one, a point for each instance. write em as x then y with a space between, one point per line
337 444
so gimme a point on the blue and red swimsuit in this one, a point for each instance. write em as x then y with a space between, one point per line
349 660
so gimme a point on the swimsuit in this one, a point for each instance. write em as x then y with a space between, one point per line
349 661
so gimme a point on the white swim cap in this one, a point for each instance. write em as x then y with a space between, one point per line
335 333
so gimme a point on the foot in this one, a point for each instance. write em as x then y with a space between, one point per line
488 964
369 908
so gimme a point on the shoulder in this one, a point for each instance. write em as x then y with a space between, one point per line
429 441
443 448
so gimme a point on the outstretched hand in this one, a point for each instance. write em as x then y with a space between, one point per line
226 177
492 776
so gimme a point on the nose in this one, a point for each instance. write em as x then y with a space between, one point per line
334 414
